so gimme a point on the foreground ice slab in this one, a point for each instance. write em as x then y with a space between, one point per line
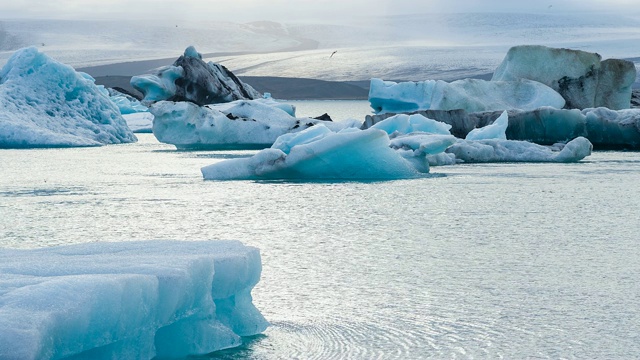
579 76
471 95
130 300
317 153
191 79
44 103
242 124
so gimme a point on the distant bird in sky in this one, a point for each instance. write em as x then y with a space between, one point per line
333 53
549 7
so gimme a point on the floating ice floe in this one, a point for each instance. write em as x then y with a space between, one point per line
579 76
242 124
139 122
129 300
604 128
471 95
494 150
317 153
44 103
191 79
400 147
497 130
490 144
126 103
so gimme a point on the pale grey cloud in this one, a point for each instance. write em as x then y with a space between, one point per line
281 10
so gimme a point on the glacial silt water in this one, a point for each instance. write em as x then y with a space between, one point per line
477 261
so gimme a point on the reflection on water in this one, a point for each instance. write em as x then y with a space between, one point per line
482 261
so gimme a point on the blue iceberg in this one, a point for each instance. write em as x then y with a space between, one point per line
127 300
44 103
397 148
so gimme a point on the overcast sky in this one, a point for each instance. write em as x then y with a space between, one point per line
283 10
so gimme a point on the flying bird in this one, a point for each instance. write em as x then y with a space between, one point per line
549 7
333 53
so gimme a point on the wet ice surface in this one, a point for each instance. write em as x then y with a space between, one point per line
513 260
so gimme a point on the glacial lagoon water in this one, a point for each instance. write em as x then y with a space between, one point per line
476 261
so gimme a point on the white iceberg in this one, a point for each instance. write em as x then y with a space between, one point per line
126 103
494 150
128 300
406 124
579 76
241 124
139 122
496 130
471 95
490 144
44 103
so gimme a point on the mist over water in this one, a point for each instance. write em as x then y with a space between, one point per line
484 261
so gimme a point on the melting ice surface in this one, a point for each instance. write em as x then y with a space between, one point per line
319 153
44 103
127 300
399 147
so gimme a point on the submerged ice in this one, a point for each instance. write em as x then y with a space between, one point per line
44 103
128 300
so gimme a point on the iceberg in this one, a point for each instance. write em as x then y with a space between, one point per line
609 129
401 147
242 124
44 103
317 153
495 150
126 103
405 124
128 300
497 130
582 79
191 79
490 144
139 122
604 128
471 95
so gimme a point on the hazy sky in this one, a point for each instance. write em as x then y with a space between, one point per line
283 10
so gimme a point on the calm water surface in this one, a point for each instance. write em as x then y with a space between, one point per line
483 261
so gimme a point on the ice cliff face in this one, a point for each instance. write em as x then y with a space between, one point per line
191 79
579 76
44 103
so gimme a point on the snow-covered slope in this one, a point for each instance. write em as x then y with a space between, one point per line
410 47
